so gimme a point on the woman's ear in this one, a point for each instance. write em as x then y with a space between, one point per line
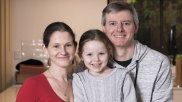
45 50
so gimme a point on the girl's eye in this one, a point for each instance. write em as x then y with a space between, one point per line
101 53
89 54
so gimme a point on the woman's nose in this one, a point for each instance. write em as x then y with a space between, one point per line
63 51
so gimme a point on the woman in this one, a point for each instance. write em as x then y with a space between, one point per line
53 85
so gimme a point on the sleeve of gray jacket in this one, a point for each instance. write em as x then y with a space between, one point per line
77 89
129 90
163 89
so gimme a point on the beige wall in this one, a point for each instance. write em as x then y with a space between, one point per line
30 17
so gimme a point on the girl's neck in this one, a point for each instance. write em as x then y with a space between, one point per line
106 71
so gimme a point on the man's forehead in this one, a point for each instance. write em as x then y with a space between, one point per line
115 12
119 16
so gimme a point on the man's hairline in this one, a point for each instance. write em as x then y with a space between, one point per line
103 24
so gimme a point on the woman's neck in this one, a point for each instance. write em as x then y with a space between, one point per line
58 74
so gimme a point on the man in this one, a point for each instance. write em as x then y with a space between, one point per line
149 69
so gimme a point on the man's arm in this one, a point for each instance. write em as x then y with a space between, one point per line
163 89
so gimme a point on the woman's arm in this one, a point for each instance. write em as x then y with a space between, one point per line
27 91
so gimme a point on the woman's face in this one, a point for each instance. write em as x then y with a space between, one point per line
61 49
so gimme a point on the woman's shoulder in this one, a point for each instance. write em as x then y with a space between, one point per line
34 81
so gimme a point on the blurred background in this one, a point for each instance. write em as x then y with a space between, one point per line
22 23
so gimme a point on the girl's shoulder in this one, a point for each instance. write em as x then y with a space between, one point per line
120 71
80 75
120 74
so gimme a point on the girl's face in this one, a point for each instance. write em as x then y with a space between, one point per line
61 49
95 57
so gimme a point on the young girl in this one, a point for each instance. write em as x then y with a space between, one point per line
99 83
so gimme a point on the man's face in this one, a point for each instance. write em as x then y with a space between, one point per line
120 28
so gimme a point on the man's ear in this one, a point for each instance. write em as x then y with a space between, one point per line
136 28
45 49
103 28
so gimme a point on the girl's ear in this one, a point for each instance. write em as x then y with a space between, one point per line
80 56
45 50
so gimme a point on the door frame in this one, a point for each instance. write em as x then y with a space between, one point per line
6 71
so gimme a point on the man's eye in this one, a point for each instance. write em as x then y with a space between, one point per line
112 23
126 23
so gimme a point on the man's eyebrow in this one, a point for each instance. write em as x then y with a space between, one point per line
112 21
127 21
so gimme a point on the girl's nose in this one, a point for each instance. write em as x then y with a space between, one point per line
96 58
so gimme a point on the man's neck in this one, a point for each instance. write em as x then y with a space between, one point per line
124 53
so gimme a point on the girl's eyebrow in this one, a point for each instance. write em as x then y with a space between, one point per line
65 43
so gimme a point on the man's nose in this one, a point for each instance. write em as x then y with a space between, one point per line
120 27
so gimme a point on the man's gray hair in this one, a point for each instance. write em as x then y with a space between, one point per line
119 6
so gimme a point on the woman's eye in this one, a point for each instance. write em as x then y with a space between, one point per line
55 46
68 45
